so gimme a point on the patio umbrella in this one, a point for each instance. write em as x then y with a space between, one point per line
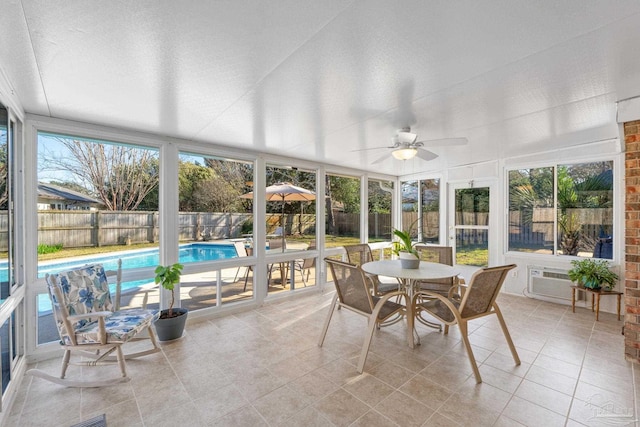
285 192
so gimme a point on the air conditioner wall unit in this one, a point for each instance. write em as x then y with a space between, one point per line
550 282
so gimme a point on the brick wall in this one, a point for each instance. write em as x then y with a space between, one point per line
632 242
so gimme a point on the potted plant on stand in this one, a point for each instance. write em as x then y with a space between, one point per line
405 250
170 325
593 274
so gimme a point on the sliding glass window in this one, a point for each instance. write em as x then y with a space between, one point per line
342 207
215 224
565 209
380 202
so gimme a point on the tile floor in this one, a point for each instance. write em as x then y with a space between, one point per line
264 368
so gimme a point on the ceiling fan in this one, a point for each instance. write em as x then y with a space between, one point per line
406 147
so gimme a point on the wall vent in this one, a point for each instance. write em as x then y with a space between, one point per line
550 282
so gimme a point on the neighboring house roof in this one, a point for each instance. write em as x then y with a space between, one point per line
48 193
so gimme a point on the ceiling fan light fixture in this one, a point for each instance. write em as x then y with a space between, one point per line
404 153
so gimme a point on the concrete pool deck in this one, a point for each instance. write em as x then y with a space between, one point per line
197 291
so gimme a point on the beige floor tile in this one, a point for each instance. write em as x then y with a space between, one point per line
391 374
308 417
545 397
96 399
467 411
529 413
220 402
426 391
404 410
171 415
448 372
558 366
244 416
341 408
437 420
373 419
368 389
553 380
263 368
280 404
313 386
484 394
340 371
498 378
504 421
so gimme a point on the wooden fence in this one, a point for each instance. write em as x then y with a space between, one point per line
100 228
537 231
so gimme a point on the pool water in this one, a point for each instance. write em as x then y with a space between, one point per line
194 252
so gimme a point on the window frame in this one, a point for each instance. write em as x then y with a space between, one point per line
617 215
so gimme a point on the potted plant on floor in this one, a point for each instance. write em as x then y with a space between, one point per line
170 325
593 274
404 248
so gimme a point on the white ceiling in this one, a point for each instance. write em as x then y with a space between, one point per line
318 79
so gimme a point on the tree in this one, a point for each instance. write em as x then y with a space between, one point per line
120 176
190 175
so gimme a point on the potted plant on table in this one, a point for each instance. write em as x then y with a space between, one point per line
404 248
171 323
593 274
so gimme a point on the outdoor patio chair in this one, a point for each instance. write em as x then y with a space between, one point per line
305 265
441 255
352 293
360 254
243 251
478 299
88 323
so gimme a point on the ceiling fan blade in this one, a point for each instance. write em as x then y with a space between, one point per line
381 159
426 154
444 142
369 149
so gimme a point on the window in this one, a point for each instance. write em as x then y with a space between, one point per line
215 224
342 210
7 271
380 204
430 198
562 210
96 200
421 209
290 225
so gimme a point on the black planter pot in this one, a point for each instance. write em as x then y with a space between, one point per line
173 327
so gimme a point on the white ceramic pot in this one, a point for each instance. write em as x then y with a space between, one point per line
409 260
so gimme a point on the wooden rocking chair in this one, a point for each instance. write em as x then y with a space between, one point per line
88 323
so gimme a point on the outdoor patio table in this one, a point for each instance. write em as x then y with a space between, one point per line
408 279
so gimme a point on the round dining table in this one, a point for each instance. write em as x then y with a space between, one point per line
408 277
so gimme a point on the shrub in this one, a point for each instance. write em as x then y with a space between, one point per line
49 249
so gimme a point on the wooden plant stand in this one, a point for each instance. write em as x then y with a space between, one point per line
595 295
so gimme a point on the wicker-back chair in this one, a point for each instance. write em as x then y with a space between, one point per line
352 293
477 299
360 254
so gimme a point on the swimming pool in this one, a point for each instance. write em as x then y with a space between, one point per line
191 252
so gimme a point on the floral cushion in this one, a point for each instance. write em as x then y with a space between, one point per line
86 290
121 326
